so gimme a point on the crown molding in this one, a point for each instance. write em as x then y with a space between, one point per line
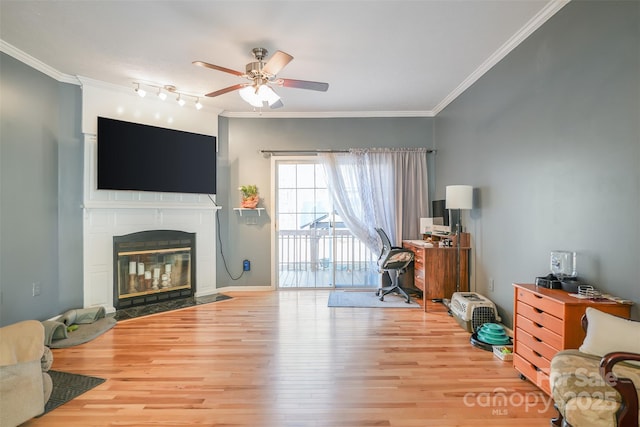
324 114
37 64
87 81
534 23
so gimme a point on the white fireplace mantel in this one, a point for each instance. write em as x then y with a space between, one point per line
110 213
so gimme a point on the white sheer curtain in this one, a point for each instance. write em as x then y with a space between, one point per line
384 188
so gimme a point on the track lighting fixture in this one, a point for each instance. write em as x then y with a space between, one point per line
163 90
141 92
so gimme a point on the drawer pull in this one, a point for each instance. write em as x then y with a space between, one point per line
538 325
537 310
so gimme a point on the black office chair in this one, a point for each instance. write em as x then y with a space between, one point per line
394 261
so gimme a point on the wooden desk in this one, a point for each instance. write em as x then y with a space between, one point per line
434 271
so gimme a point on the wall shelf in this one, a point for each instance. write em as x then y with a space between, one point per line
240 210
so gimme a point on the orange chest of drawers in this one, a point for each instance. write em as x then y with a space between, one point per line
547 321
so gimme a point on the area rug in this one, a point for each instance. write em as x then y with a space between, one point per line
368 299
85 333
161 307
67 387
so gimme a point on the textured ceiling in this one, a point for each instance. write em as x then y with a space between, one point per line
379 57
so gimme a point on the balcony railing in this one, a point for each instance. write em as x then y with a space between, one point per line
308 258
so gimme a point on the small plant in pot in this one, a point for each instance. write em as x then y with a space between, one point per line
250 196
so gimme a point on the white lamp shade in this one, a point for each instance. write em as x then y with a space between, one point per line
248 93
265 93
459 197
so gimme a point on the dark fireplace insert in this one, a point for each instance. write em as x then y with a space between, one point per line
153 266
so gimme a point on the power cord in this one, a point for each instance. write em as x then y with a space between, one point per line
224 261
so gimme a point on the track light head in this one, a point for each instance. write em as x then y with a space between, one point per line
161 94
198 104
180 100
141 92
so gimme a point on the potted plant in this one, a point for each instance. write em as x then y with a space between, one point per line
250 196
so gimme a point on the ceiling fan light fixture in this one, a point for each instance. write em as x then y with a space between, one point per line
262 75
265 93
256 97
249 94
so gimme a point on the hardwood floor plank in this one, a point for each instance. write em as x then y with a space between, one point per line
281 359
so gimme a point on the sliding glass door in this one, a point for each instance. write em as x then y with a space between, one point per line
314 249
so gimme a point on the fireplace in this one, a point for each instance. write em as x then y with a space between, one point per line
153 266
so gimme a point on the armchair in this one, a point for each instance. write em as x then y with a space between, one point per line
598 384
25 386
394 261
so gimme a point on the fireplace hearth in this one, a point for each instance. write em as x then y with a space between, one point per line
153 266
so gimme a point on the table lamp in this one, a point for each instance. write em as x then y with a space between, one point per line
458 197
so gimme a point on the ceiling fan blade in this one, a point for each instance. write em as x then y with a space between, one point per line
277 62
303 84
227 90
217 67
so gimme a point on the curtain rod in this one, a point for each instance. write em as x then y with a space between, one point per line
293 152
301 151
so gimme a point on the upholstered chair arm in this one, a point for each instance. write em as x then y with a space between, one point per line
21 342
627 415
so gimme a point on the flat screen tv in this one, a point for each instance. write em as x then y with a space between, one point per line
133 156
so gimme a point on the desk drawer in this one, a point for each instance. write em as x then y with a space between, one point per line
540 332
540 317
418 256
547 305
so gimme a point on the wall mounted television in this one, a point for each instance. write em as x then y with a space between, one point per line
133 156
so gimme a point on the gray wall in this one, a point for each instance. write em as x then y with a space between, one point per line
40 194
550 138
240 163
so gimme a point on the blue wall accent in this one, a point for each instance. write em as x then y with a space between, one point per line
550 139
41 193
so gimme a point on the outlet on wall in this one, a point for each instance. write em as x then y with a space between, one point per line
37 289
246 265
491 284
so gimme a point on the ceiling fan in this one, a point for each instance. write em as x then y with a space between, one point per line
261 76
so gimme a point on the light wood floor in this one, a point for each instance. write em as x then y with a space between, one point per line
344 279
284 359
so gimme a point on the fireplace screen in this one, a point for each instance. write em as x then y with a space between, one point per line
153 266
